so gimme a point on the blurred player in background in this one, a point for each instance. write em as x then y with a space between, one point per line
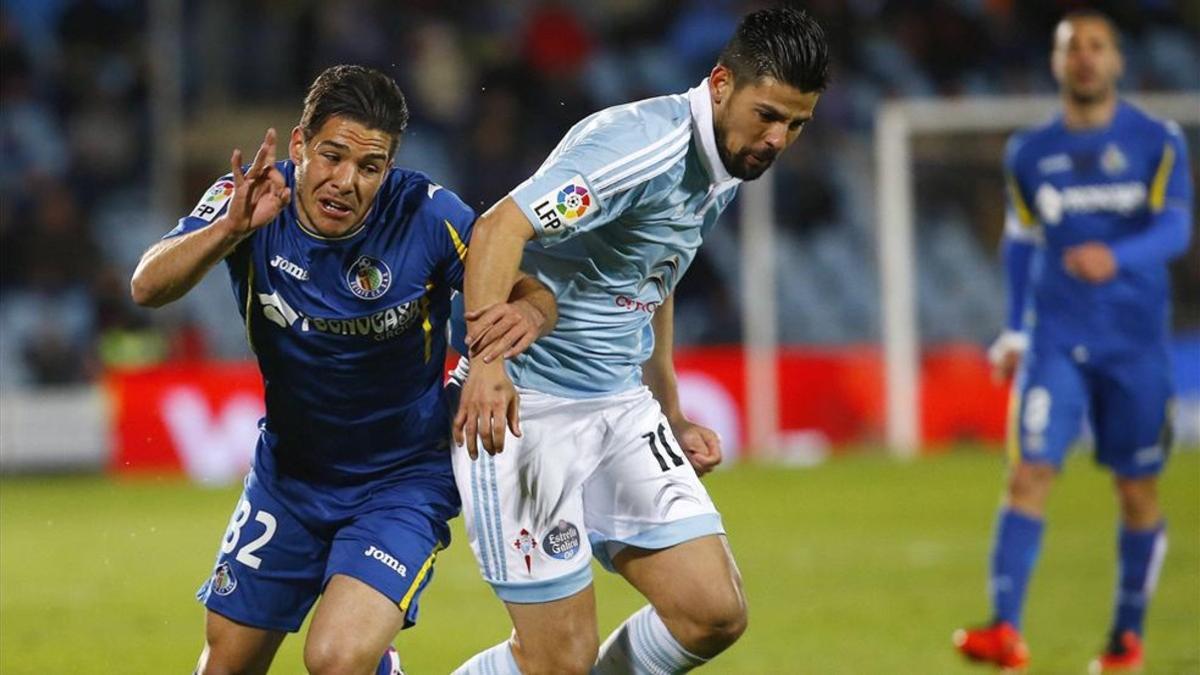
1100 201
343 267
604 463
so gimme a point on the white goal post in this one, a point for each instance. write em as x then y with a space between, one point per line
896 123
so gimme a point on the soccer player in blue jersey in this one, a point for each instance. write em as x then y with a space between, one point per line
602 461
1099 201
343 267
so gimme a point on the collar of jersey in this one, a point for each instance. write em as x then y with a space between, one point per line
700 102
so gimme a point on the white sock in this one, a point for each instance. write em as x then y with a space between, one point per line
643 646
496 660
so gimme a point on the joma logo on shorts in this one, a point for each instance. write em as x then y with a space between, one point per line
386 559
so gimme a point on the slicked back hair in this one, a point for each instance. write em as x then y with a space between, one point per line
362 94
783 43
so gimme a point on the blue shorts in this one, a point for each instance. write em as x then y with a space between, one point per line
1126 398
286 539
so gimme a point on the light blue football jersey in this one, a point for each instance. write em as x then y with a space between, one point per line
618 210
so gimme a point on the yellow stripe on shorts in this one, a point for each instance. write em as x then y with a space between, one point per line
416 584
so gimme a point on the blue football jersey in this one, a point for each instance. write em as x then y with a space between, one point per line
350 333
1067 187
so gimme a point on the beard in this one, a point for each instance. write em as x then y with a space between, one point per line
1085 95
738 164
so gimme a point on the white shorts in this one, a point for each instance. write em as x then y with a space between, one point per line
588 477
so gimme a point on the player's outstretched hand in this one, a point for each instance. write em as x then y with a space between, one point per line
260 193
701 445
1091 261
489 402
505 329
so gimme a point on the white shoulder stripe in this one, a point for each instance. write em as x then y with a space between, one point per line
669 139
645 176
680 143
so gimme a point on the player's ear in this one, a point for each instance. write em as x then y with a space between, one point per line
720 83
296 145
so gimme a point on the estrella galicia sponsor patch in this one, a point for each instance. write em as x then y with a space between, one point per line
564 206
562 541
214 200
223 581
368 277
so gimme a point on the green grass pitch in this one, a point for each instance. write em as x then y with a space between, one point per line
862 565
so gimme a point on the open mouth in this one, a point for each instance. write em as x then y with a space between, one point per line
334 208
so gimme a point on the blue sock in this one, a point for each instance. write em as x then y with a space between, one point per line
496 660
1018 541
1141 555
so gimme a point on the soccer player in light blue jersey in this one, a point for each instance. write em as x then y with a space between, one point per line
1099 202
343 267
599 459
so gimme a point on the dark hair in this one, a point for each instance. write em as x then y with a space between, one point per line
1089 14
362 94
784 43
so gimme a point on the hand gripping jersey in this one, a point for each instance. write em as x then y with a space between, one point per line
619 209
1126 185
350 333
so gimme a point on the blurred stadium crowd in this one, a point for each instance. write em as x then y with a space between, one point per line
492 85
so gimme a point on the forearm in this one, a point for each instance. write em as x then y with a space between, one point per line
658 372
494 259
1018 257
170 268
538 296
1165 239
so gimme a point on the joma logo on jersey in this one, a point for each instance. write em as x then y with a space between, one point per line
564 205
387 559
1122 198
290 267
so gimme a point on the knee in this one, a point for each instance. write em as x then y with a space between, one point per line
326 656
711 630
1139 503
1029 485
571 655
225 655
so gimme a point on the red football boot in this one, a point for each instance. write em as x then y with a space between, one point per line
1124 655
999 644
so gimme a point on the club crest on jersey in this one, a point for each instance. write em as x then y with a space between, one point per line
1113 160
213 200
562 541
223 582
564 205
369 278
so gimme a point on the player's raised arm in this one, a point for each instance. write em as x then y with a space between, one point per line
701 444
170 268
489 400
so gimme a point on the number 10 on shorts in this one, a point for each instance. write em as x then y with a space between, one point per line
671 452
240 517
